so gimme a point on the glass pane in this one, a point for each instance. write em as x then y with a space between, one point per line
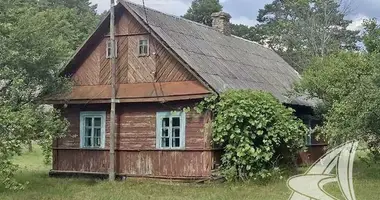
87 132
176 132
176 121
145 49
141 50
165 132
87 142
176 142
165 122
97 142
165 142
98 121
97 132
143 42
88 121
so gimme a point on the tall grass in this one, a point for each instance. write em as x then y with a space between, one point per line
42 187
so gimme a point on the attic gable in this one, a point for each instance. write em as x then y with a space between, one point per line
91 67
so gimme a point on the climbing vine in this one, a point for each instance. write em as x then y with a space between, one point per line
257 133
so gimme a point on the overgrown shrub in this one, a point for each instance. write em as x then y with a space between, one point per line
257 133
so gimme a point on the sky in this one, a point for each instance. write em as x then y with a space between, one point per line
245 11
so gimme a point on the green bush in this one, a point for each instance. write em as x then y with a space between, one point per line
257 133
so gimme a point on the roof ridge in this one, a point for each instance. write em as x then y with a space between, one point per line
250 41
170 15
193 22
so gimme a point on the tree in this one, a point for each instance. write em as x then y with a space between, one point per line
371 38
348 83
302 29
201 10
246 32
83 6
35 40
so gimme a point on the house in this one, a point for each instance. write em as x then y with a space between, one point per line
164 64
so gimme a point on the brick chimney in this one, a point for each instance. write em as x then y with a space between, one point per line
221 22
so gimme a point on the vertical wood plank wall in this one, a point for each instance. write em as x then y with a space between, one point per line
158 66
136 144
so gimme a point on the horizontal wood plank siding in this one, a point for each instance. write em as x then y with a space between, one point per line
136 143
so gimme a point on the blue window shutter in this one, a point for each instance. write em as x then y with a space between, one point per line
158 129
183 130
81 130
104 118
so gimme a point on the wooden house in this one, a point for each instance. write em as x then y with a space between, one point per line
164 64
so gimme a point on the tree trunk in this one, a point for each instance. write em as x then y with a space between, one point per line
30 146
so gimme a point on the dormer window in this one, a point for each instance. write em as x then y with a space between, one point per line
144 47
108 49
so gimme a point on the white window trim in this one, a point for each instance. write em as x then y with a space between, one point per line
159 117
102 115
108 43
147 48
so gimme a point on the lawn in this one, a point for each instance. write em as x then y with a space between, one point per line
367 184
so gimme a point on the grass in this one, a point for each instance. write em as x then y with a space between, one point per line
42 187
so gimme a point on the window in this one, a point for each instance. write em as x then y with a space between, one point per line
143 47
170 133
92 129
310 123
108 49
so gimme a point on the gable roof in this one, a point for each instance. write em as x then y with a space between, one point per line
220 62
224 62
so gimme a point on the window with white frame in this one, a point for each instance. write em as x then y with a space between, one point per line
310 122
109 47
92 129
144 47
170 133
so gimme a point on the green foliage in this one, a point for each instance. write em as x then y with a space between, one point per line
349 86
302 29
36 37
18 127
246 32
201 10
371 38
256 131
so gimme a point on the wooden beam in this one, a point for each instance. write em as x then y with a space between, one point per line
129 100
129 34
136 150
58 173
113 97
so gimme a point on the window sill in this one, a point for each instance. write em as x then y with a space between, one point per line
143 55
171 149
93 149
316 144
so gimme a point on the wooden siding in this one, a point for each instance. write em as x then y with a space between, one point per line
138 92
158 66
136 143
144 163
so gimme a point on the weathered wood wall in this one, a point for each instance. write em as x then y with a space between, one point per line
158 66
136 143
